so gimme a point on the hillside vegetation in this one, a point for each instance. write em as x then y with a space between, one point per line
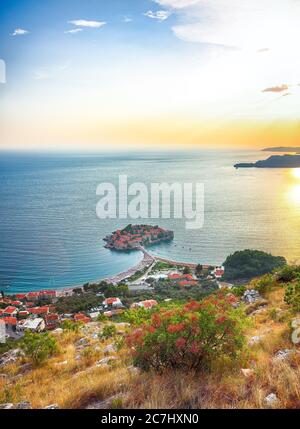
214 353
246 264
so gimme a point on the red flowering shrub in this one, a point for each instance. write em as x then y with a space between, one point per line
189 336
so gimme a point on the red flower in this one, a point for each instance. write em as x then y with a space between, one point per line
221 320
194 347
156 320
152 329
172 329
181 342
192 306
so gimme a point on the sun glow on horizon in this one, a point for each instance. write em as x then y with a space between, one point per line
296 173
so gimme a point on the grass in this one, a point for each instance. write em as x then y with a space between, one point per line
79 383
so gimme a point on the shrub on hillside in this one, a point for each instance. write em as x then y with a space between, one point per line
263 284
69 325
189 336
292 296
288 273
247 264
38 347
108 332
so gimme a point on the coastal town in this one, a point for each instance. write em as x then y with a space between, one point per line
153 278
134 236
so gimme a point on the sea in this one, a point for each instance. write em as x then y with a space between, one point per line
51 236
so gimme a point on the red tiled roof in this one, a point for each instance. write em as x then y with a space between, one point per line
23 313
174 276
16 303
51 317
10 321
32 295
39 310
47 292
149 303
21 295
110 301
10 310
188 277
82 318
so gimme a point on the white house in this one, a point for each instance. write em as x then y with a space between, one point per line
34 325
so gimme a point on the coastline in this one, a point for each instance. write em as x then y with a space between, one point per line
147 260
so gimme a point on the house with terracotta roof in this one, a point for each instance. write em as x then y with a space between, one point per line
47 295
219 272
52 320
149 303
112 302
21 296
10 322
23 314
16 303
40 310
32 296
10 311
80 317
174 276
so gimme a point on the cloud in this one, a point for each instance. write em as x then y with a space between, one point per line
86 23
19 32
161 15
235 23
74 31
177 4
51 72
276 89
126 19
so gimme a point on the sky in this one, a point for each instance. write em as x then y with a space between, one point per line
98 74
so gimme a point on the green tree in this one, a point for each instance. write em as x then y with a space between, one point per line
38 347
247 264
191 336
108 332
292 296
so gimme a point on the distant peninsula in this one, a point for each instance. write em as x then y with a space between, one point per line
275 161
282 149
134 236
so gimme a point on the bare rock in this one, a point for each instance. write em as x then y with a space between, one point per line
282 355
295 323
271 400
256 339
7 406
247 372
109 349
251 296
52 407
24 405
105 361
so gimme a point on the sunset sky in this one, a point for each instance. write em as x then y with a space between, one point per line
99 74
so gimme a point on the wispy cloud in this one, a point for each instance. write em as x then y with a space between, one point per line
20 32
51 72
161 15
235 23
126 18
74 31
276 89
87 23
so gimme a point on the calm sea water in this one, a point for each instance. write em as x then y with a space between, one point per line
50 235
